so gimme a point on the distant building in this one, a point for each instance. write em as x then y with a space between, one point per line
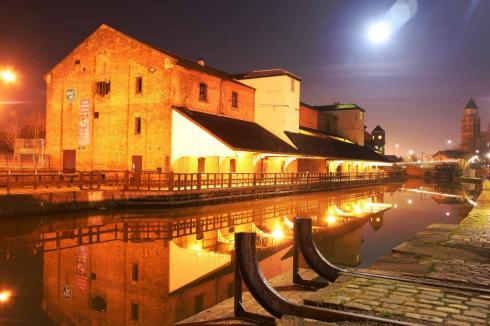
449 155
376 140
472 138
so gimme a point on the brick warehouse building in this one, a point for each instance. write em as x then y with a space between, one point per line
115 103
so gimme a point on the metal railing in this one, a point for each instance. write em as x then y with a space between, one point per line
175 182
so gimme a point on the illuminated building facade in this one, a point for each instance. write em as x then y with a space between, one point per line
115 103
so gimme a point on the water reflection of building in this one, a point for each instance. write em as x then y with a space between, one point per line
157 271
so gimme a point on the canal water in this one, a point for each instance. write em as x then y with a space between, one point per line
159 266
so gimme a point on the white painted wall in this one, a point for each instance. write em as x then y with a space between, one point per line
276 105
189 139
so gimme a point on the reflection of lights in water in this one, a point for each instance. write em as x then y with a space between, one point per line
196 247
331 219
432 193
277 234
448 213
5 296
409 202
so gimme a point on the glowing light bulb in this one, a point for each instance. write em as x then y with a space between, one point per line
277 234
410 202
331 219
448 213
5 296
8 76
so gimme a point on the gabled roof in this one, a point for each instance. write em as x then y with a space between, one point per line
265 73
339 107
332 148
181 61
451 153
471 104
239 134
378 128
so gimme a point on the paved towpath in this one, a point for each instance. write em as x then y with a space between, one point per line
456 253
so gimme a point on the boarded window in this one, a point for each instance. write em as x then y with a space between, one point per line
135 272
139 85
203 92
103 87
134 311
234 99
137 125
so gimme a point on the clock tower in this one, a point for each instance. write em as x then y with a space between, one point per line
378 139
470 127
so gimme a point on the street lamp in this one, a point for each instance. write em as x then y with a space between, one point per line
449 142
8 76
410 153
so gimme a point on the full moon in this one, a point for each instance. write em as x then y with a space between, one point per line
379 32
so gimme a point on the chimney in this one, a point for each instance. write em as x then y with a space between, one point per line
200 61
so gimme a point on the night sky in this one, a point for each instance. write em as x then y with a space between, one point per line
415 85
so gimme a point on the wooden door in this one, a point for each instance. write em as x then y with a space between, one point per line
137 161
69 160
201 165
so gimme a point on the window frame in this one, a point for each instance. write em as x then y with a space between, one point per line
137 125
139 85
203 92
234 100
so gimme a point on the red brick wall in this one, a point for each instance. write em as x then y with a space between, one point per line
308 117
110 55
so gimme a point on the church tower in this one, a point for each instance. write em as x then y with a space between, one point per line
470 127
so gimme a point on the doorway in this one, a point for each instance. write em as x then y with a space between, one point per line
69 160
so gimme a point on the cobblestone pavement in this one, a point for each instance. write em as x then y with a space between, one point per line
392 299
456 253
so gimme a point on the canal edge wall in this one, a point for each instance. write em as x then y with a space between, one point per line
38 203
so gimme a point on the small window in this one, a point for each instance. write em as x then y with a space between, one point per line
93 276
233 165
135 272
199 303
203 92
137 125
96 115
77 62
134 311
234 99
292 85
103 87
139 85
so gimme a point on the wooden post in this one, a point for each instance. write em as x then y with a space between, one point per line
126 180
8 182
170 181
99 180
255 180
58 183
149 181
80 180
91 179
230 180
159 180
199 180
35 180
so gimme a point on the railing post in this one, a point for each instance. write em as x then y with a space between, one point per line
91 179
170 181
58 183
80 180
230 180
99 180
8 182
35 180
159 180
255 179
149 181
126 180
199 180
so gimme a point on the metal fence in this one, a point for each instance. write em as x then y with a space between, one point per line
24 161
